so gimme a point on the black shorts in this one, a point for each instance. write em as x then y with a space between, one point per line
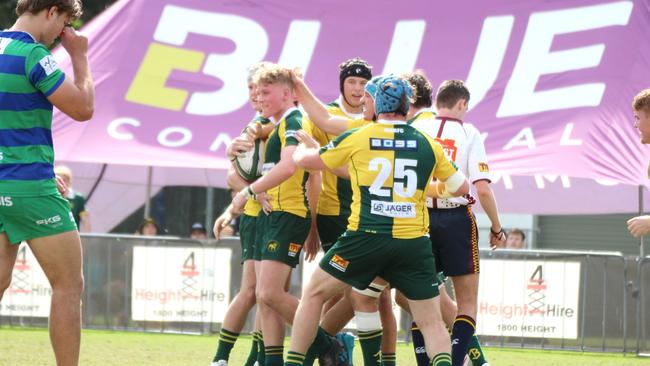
454 240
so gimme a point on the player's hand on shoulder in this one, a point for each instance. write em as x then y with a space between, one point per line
304 138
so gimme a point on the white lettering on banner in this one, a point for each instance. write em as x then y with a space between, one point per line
541 299
180 284
222 139
401 210
405 46
163 137
29 293
113 132
251 43
507 180
492 47
607 182
300 44
566 139
536 59
539 180
523 138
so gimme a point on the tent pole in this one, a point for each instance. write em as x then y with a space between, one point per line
641 249
209 208
147 199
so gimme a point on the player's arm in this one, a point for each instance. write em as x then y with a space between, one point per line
479 174
85 226
317 111
312 243
75 98
282 171
234 180
450 181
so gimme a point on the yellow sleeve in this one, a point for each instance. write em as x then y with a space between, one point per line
339 151
444 168
356 123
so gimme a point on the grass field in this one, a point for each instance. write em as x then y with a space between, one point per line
31 347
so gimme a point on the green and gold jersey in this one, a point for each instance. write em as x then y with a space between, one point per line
424 113
289 196
253 207
336 193
390 165
28 75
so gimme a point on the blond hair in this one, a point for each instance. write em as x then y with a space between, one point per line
273 74
63 171
642 101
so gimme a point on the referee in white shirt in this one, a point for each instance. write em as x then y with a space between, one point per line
453 230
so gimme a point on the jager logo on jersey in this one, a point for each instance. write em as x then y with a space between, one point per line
6 201
393 209
273 246
339 263
294 249
393 144
483 167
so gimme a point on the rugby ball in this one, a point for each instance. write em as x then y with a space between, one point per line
249 164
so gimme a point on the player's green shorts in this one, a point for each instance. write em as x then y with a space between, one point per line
247 226
329 229
24 218
283 235
408 264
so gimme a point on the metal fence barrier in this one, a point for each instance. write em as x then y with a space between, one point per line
592 301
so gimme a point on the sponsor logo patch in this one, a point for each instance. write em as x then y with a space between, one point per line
402 210
483 167
339 263
393 144
49 221
294 249
267 167
48 63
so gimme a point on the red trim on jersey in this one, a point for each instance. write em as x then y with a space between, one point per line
443 120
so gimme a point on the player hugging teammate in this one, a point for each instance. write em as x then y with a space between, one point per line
370 158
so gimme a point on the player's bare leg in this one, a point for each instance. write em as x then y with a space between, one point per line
63 268
389 327
237 312
321 287
433 329
8 254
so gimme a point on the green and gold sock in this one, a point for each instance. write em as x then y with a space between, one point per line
274 355
388 359
294 359
475 352
227 340
252 354
371 347
441 359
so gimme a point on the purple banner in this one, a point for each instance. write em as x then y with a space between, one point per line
551 82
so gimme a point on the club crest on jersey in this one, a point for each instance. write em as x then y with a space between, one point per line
393 144
483 167
49 65
339 263
272 246
294 249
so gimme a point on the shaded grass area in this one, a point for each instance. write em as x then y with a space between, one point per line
28 346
